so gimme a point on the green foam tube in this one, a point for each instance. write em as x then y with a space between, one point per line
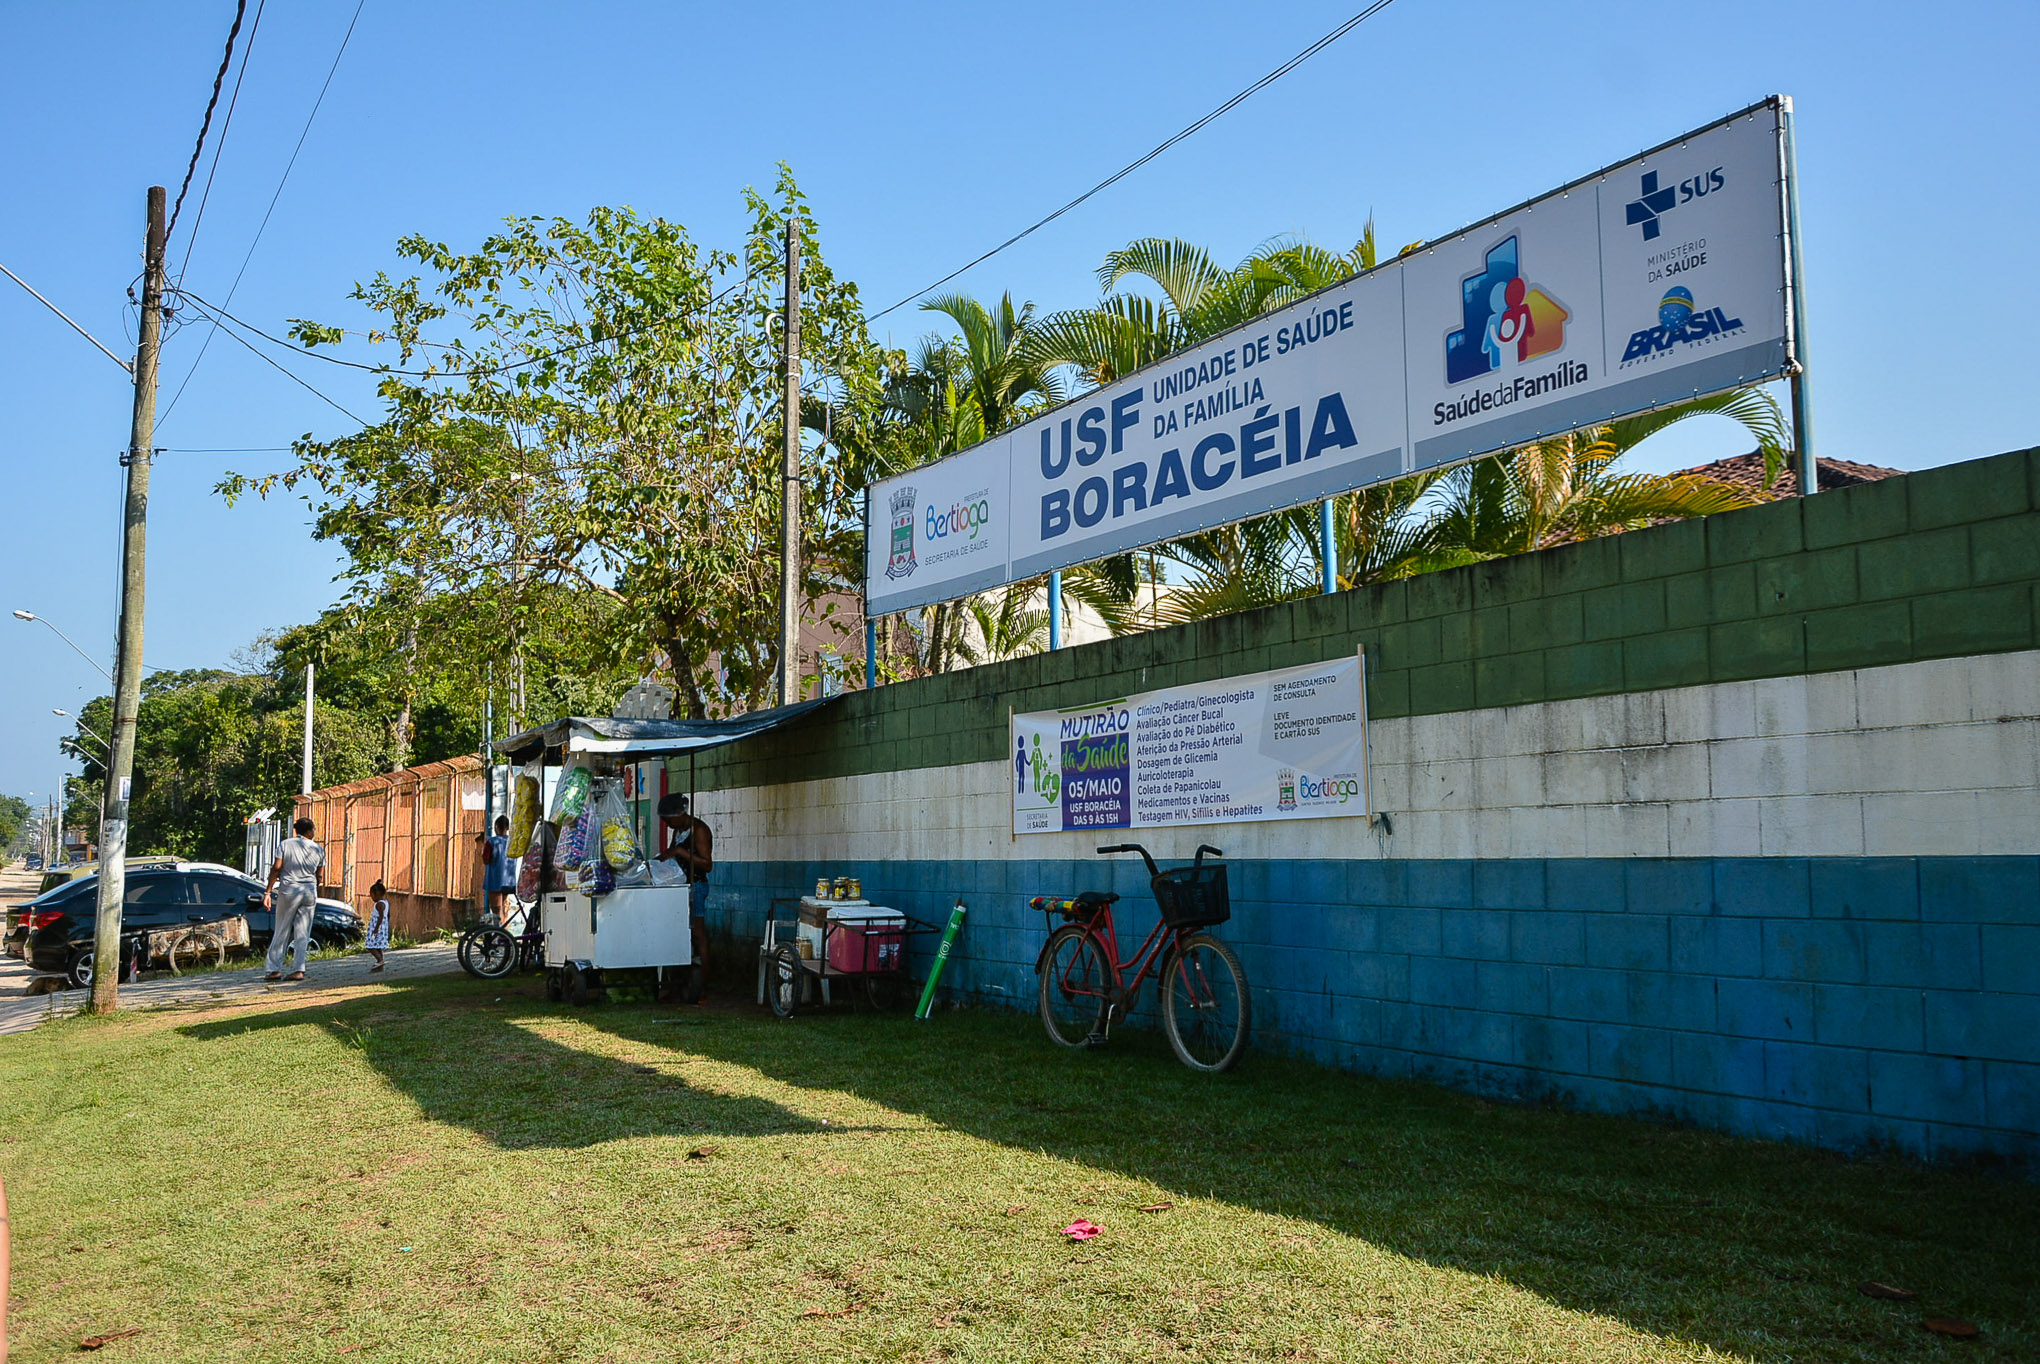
941 957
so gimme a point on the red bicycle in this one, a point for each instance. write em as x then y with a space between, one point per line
1085 986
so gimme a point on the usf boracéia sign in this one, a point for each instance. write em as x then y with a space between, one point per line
1663 278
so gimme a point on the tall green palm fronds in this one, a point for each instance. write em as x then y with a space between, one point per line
1555 491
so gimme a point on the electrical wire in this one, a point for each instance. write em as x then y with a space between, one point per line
505 367
1130 167
240 10
272 363
262 227
220 143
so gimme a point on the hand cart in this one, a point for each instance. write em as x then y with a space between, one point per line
856 943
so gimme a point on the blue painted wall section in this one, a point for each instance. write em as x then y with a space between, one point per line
1850 1003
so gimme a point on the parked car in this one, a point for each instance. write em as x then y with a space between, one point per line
33 862
71 871
56 877
61 923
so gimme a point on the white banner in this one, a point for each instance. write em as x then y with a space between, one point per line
1288 744
1654 281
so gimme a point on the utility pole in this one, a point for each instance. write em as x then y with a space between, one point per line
789 497
305 782
127 682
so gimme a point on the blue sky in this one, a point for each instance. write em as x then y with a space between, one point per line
923 134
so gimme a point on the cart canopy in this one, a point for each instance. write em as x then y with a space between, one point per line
636 739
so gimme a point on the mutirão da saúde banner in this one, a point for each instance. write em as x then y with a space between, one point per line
1288 744
1657 280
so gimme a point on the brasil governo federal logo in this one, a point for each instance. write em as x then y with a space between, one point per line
1680 323
900 563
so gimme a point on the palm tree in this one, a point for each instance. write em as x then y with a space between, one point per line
1198 299
1567 488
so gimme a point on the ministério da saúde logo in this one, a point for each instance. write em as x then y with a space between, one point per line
901 562
1680 323
1505 320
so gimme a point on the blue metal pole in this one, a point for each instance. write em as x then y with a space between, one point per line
1055 609
1328 545
870 653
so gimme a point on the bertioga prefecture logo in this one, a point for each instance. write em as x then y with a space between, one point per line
900 564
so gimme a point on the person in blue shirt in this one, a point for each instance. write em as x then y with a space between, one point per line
499 873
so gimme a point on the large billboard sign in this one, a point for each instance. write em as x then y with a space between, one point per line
1654 281
1288 744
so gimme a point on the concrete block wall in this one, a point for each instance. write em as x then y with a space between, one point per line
1669 834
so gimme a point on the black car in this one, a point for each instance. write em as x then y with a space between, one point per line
61 923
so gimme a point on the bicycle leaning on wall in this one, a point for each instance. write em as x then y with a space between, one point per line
1086 986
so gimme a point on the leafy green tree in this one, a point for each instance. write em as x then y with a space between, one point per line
604 415
14 820
1568 488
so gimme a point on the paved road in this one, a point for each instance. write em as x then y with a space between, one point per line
21 1011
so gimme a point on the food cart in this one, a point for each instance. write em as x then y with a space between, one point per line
819 940
608 911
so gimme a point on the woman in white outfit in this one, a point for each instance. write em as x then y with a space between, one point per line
291 896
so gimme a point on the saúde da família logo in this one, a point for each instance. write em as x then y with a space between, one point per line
1505 320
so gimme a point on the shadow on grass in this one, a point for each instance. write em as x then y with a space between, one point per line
476 1064
1749 1247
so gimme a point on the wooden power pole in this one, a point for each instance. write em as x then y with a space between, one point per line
127 681
789 502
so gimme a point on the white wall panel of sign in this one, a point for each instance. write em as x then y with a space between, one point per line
941 531
1692 244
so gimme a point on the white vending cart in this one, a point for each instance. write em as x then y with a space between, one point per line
632 928
645 931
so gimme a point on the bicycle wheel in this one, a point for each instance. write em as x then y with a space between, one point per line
460 951
1076 987
190 954
1206 1009
783 983
492 954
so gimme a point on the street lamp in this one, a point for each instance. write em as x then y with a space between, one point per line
83 727
30 615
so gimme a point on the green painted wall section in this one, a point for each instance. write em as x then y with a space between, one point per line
1936 564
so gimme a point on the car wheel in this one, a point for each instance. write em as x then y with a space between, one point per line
78 974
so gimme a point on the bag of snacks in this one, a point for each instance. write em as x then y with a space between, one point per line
537 854
614 835
572 796
524 801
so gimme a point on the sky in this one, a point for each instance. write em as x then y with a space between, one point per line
923 134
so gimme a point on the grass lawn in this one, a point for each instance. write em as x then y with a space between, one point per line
451 1170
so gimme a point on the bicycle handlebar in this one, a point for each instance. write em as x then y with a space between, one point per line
1153 870
1146 857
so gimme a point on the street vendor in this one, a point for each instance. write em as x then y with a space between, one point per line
691 843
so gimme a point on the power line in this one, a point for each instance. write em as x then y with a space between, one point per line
271 363
262 227
220 145
483 373
240 9
1130 167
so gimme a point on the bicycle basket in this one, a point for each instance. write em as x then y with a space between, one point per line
1193 897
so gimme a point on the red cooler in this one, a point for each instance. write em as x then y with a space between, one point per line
866 939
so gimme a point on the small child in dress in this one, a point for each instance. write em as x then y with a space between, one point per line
378 939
